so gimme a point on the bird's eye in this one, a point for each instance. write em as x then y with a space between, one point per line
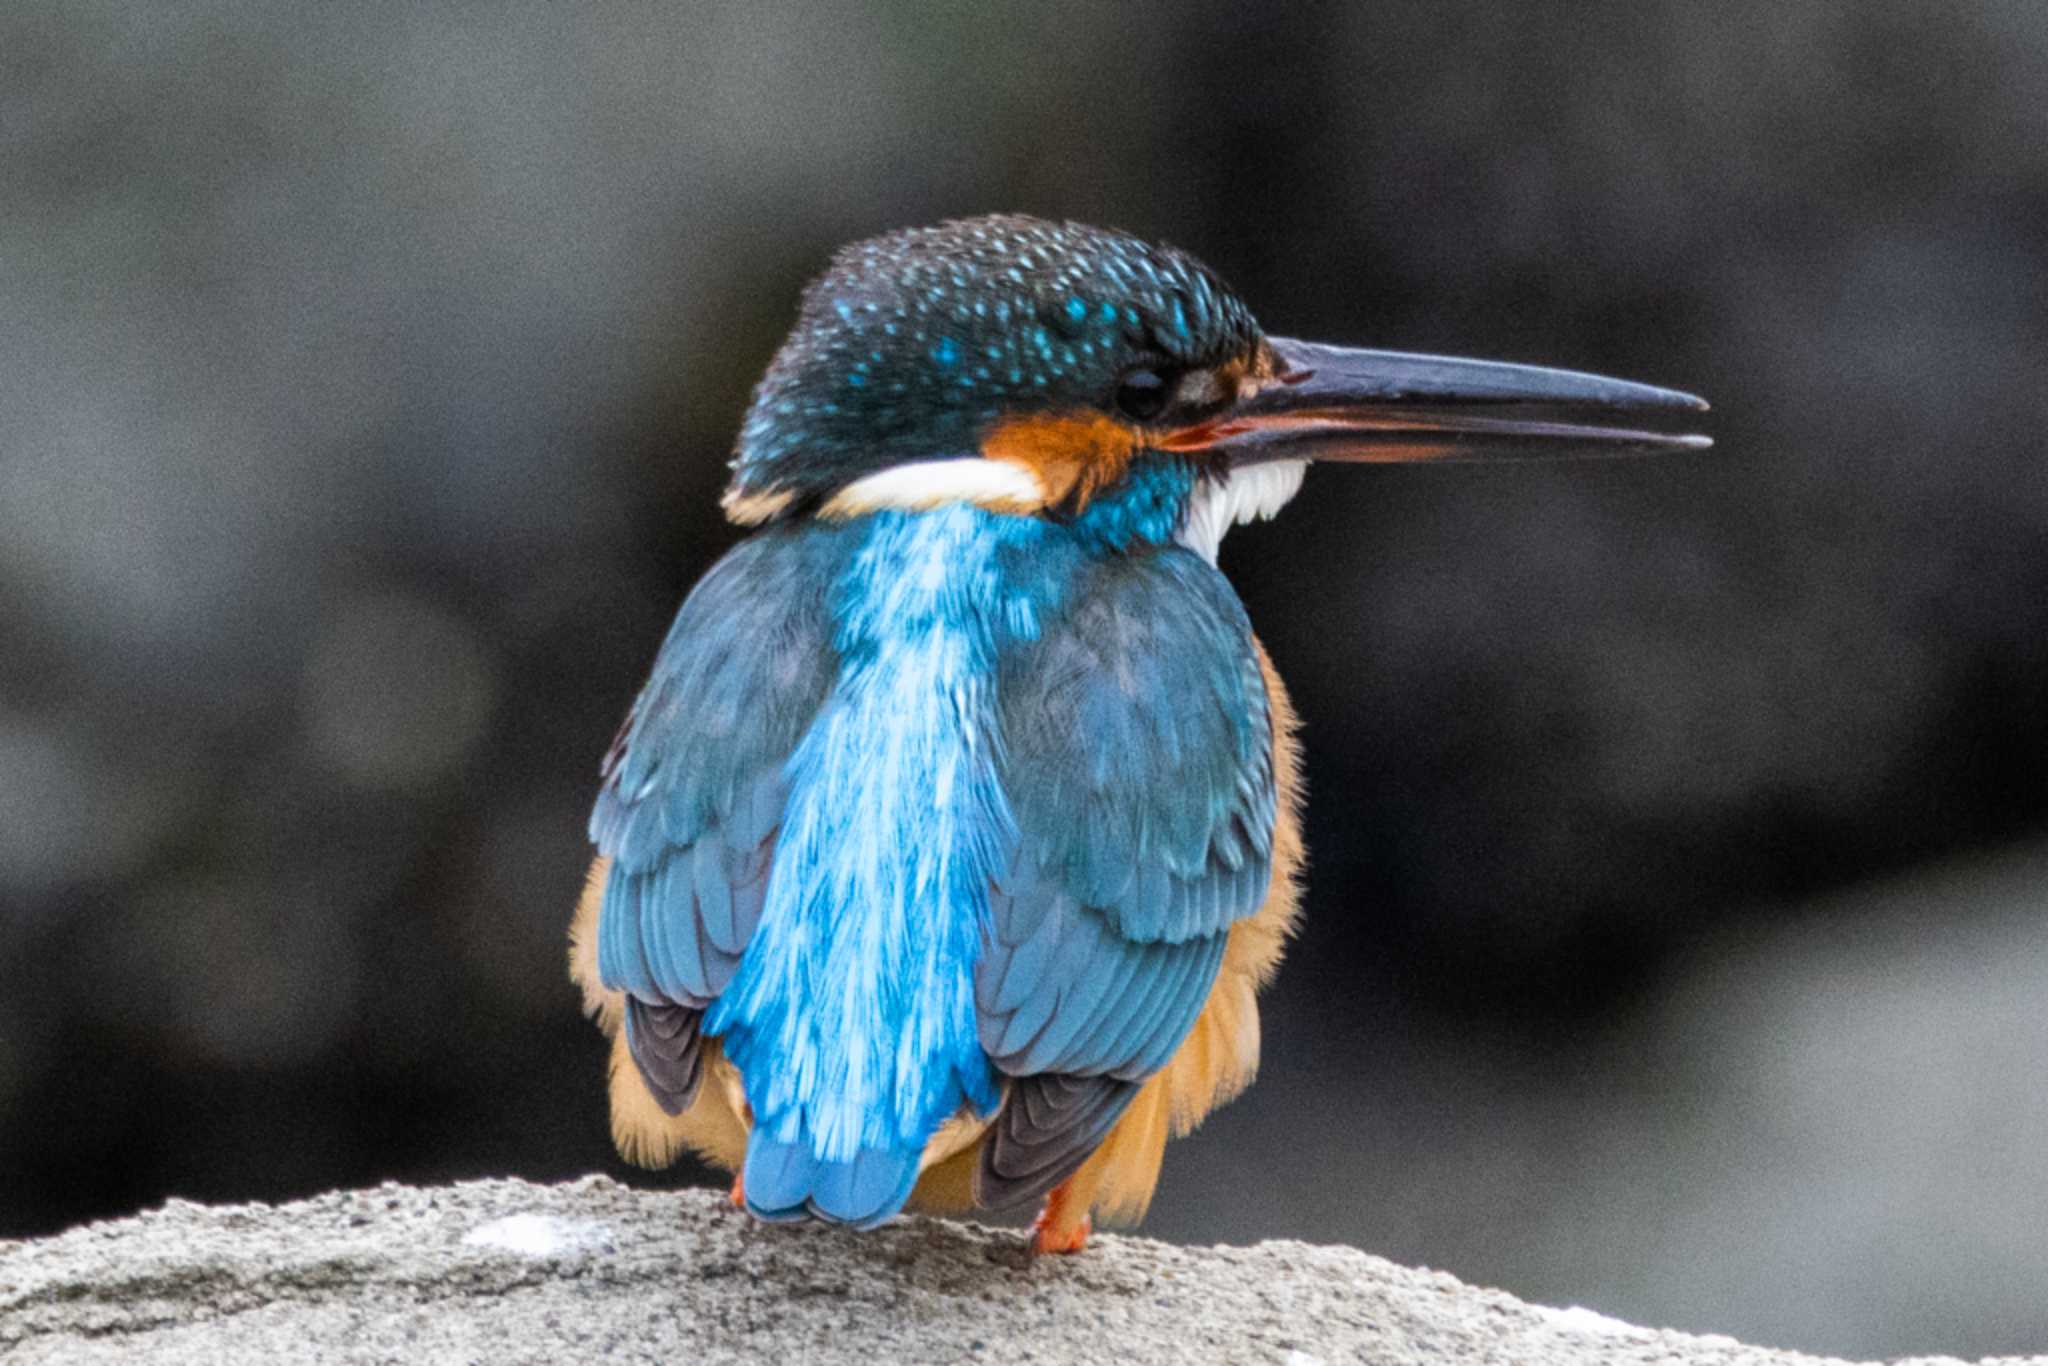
1142 395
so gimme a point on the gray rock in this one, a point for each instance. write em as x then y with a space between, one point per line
505 1271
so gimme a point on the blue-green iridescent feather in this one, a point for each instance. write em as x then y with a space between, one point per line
922 802
694 787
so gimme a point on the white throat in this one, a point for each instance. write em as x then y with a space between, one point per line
1259 491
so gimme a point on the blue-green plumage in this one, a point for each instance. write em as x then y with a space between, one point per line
921 802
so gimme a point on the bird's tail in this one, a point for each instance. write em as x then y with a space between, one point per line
785 1181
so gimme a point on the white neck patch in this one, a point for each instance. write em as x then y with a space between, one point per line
919 486
1256 492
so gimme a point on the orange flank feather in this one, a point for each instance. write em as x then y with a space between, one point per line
1213 1064
600 1003
714 1127
1072 455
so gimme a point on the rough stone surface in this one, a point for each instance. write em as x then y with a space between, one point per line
504 1271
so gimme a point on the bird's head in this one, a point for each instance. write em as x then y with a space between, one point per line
1035 368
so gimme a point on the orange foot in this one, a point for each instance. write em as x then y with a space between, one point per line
739 1190
1059 1227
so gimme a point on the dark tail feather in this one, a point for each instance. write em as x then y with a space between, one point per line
665 1042
1047 1129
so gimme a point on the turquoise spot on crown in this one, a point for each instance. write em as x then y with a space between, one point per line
947 352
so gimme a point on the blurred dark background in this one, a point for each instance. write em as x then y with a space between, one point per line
1675 942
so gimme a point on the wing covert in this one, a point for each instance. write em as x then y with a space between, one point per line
1140 750
1138 761
694 788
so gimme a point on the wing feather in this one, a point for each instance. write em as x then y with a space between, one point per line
693 792
1139 769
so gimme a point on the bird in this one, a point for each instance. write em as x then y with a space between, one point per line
958 824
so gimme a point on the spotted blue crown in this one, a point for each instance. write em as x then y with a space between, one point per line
910 345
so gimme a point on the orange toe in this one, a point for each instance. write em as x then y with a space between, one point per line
1059 1226
739 1190
1046 1238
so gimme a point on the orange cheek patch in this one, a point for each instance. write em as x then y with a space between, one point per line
1072 455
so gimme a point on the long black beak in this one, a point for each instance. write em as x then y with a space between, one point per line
1338 403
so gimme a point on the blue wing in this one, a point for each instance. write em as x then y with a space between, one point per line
1139 769
694 789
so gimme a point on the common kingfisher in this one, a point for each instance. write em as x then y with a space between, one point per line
944 851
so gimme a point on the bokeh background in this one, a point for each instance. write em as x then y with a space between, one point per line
1675 943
